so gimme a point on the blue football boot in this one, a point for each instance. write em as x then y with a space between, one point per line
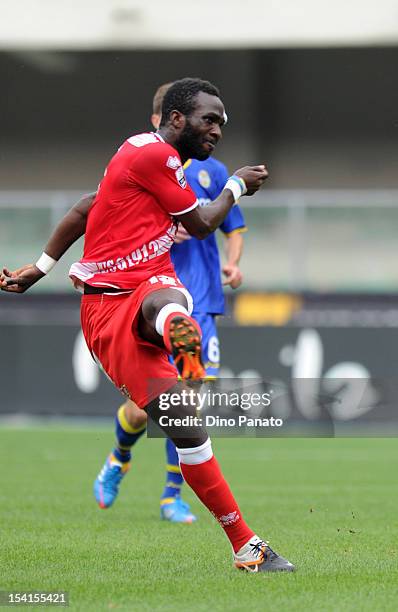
106 485
175 510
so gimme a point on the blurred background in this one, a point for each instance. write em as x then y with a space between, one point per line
310 88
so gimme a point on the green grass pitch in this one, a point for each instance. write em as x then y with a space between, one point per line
329 505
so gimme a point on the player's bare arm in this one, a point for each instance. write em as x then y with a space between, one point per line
231 270
202 221
69 229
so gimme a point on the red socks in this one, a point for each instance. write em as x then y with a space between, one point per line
210 486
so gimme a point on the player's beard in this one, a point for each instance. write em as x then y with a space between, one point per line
190 144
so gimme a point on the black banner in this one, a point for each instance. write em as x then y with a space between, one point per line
47 370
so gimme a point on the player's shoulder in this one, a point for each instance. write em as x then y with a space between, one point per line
145 140
151 145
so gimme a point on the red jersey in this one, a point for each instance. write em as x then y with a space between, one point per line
130 227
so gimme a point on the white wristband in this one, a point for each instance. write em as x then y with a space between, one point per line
237 185
45 263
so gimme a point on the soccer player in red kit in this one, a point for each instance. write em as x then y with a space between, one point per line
134 309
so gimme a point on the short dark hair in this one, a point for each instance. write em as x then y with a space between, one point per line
181 96
158 97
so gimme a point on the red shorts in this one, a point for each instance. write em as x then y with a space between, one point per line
139 369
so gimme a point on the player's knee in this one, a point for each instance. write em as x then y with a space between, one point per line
158 299
136 417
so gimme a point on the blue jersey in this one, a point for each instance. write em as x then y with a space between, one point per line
197 262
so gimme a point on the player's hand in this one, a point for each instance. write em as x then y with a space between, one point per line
182 235
254 177
21 279
233 276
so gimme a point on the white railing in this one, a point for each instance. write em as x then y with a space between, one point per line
298 239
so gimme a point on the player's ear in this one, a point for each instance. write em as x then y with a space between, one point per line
155 120
177 119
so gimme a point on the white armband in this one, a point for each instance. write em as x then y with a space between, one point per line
45 263
237 185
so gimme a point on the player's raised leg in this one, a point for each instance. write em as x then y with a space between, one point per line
171 504
130 424
198 464
167 313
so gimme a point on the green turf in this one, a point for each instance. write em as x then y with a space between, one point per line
329 505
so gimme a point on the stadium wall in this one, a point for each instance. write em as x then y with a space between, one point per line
317 117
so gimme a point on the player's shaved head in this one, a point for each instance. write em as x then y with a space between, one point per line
158 98
181 96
